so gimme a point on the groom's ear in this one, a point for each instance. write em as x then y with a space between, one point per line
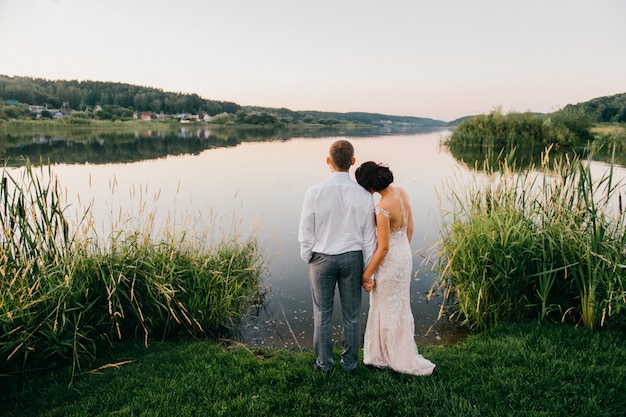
353 161
328 160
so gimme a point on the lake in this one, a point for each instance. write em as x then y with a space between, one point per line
261 184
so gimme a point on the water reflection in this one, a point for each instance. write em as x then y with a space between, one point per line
67 146
261 181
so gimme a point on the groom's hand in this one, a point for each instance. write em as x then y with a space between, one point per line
367 283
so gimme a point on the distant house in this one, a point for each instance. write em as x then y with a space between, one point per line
54 113
145 116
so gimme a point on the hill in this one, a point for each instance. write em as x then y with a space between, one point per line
373 119
119 101
86 95
607 109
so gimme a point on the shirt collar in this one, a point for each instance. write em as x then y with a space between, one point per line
340 174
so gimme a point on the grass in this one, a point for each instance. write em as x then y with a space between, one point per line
509 254
524 369
541 243
610 142
57 126
607 129
67 292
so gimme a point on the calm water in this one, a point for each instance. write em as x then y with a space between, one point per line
261 184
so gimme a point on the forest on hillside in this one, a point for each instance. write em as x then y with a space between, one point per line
119 101
608 109
85 95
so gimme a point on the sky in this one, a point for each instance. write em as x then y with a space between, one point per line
440 59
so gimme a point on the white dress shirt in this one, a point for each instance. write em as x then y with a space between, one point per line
337 217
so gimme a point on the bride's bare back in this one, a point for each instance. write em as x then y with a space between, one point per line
394 201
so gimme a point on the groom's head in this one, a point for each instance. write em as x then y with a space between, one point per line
341 155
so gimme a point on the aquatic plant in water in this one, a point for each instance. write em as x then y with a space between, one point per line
546 242
65 291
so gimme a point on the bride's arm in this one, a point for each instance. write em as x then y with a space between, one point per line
409 223
382 247
409 219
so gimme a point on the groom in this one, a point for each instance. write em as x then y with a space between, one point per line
337 236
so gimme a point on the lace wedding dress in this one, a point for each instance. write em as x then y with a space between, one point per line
389 335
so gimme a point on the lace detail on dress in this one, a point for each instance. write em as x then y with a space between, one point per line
389 335
379 210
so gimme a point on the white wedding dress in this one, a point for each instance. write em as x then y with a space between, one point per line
389 335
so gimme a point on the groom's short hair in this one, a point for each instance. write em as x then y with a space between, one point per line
341 154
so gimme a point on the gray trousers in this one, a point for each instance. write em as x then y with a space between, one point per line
325 273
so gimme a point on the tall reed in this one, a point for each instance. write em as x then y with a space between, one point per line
65 291
547 243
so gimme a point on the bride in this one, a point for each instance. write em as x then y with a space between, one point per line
389 339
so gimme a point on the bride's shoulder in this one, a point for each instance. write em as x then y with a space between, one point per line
400 190
382 210
402 193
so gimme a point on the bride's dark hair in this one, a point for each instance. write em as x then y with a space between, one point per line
373 176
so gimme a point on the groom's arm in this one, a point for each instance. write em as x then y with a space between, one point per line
369 235
306 230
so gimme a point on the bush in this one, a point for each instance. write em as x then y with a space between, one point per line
63 295
521 131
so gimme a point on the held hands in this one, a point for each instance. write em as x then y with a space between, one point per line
367 283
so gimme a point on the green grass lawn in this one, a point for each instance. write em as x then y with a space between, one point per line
532 369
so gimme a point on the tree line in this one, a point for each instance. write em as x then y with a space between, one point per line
608 109
119 101
86 95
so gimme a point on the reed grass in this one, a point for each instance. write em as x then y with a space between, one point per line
547 242
66 292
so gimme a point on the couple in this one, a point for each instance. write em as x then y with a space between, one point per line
347 243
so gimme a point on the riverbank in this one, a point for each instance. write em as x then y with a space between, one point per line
21 126
529 369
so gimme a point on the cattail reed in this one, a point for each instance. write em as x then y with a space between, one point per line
546 243
66 290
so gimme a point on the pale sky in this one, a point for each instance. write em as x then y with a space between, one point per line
441 59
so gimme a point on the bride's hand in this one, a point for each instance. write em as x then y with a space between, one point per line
367 283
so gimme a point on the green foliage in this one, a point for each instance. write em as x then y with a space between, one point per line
34 230
86 95
527 369
375 119
64 295
578 124
257 118
609 109
20 111
113 112
526 132
117 101
547 244
224 119
610 142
